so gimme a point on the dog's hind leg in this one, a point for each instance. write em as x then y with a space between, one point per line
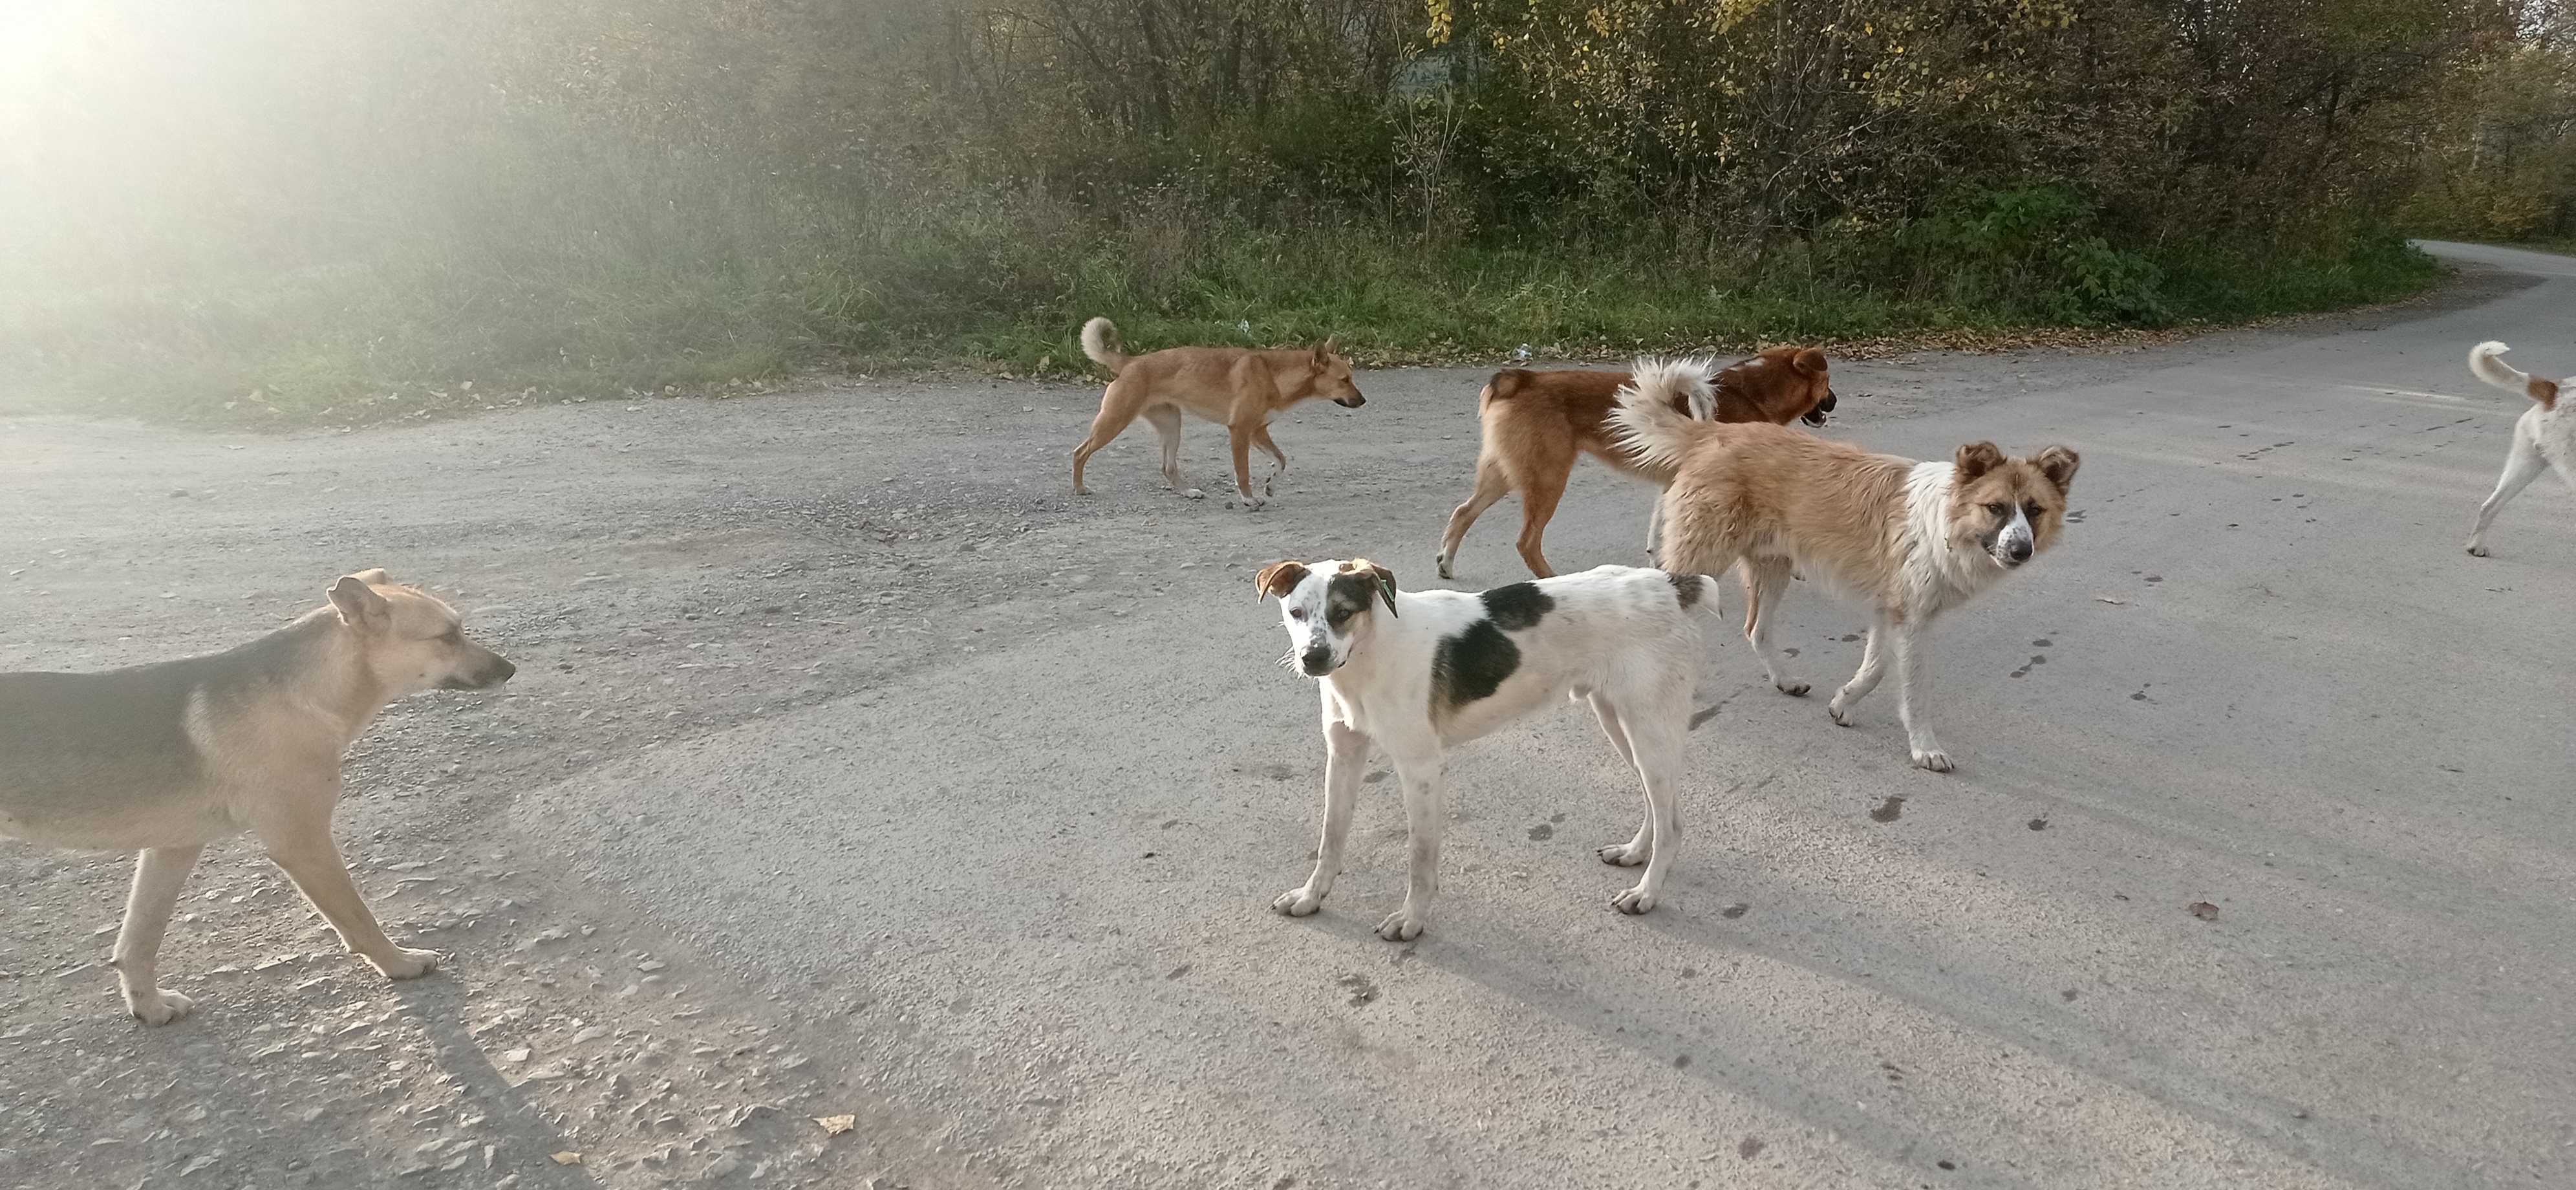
1346 753
2520 468
302 845
1493 482
1539 494
1766 582
158 873
1118 407
1634 851
1426 813
1166 420
1261 438
1873 666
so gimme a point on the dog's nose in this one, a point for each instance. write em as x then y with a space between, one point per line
1353 401
2020 551
1318 662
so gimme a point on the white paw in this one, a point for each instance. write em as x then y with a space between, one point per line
1633 901
1624 855
2476 550
1297 902
158 1007
1792 687
407 964
1840 710
1444 567
1253 503
1195 494
1403 925
1932 758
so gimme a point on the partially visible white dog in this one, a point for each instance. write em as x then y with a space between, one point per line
2544 437
1420 672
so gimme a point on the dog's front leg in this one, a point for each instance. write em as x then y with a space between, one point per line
158 873
1873 666
1656 737
1426 812
1909 674
1242 436
302 845
1346 753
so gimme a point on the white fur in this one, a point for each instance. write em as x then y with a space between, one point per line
1696 379
2543 438
1617 636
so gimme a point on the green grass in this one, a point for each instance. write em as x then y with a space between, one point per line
762 288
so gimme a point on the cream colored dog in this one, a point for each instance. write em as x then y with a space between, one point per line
166 758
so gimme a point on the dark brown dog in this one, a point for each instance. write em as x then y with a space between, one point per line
1535 423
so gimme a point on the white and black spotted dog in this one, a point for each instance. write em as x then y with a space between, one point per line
1420 672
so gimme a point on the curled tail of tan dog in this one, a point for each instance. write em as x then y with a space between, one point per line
1646 421
2486 361
1100 342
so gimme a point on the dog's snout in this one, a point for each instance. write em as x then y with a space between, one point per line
1352 401
1317 662
1827 405
483 677
499 671
2019 549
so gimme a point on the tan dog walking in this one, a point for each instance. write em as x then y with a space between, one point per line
1236 387
166 758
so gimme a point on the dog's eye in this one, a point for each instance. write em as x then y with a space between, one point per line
453 636
1999 509
1297 613
2031 510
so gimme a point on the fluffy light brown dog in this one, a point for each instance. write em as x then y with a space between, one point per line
1535 423
1909 540
1236 387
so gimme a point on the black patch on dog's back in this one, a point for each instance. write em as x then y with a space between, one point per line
1686 586
1473 664
1518 606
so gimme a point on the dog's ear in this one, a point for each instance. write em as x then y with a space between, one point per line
374 578
2058 464
1326 350
1809 360
359 605
1976 459
1278 578
1385 581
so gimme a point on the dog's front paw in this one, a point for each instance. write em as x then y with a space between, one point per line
1793 687
1253 503
1932 758
1403 925
2475 551
407 963
1633 901
1623 855
1297 902
1840 710
1195 494
158 1007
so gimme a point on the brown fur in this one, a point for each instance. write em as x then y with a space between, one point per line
1535 423
1239 388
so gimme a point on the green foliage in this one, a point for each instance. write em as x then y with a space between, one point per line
268 210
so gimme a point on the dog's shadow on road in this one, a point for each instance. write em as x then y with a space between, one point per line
1662 1031
514 1122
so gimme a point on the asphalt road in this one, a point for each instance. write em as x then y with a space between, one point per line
2260 673
843 706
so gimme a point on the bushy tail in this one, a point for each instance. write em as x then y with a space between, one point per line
2485 360
1646 421
1100 342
